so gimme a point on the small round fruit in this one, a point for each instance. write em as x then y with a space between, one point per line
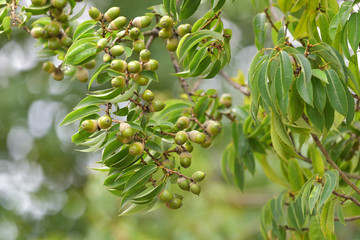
122 139
53 43
151 65
117 50
183 183
118 65
82 74
134 67
168 164
101 44
189 147
106 57
141 22
166 22
128 132
69 70
118 82
198 176
195 188
185 159
48 67
136 148
165 196
226 100
89 125
197 137
112 13
58 3
165 33
134 33
181 137
138 45
141 80
37 32
66 41
118 23
172 44
182 122
104 122
175 203
64 18
38 2
95 13
213 128
123 126
91 64
148 95
145 55
183 29
207 142
156 106
58 74
53 29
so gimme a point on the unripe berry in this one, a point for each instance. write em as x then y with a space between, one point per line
182 122
66 41
141 80
82 74
48 67
183 183
134 67
53 29
64 18
53 43
136 148
197 137
145 55
172 44
168 164
195 188
183 29
166 22
58 3
138 45
189 147
106 57
198 176
112 13
156 106
141 22
165 33
95 13
118 23
175 203
128 132
89 126
134 33
181 137
117 50
226 100
151 65
148 95
118 65
101 44
213 128
207 142
104 122
58 74
91 64
69 70
124 126
38 2
37 32
185 159
165 196
122 139
118 82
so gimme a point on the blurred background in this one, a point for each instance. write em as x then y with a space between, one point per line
48 189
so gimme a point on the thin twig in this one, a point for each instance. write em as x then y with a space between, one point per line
293 229
242 89
216 16
347 197
184 85
266 10
348 219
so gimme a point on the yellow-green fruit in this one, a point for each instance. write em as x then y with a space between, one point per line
91 64
197 137
128 132
175 203
138 45
134 67
117 50
118 65
104 122
166 22
165 196
168 164
151 65
118 82
38 2
148 95
48 67
226 100
183 183
207 142
58 3
124 126
182 122
118 23
141 22
141 80
185 159
172 44
181 137
183 29
106 57
37 32
64 18
165 33
112 13
82 74
122 139
66 41
156 106
134 33
53 29
213 128
101 44
58 74
53 43
189 147
89 126
195 188
136 148
95 13
69 70
145 55
198 176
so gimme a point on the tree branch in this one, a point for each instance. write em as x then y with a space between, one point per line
348 219
242 89
347 197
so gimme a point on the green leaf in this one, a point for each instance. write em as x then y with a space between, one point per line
188 8
317 160
327 218
319 95
100 140
269 172
153 146
260 30
81 50
351 108
124 96
336 92
319 74
151 194
80 137
283 81
295 175
314 196
139 176
285 5
79 113
331 180
83 29
315 117
150 74
37 10
305 89
101 68
76 16
295 216
111 148
315 229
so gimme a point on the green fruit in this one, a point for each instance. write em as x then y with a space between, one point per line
106 57
182 122
207 142
172 44
168 164
156 106
148 95
58 3
138 45
189 147
165 196
112 13
66 41
183 29
134 33
38 2
197 137
145 55
53 29
101 44
69 70
185 159
118 23
117 50
166 22
141 80
118 65
53 43
128 132
213 128
37 32
165 33
134 67
136 148
118 82
124 126
104 122
195 188
82 74
226 100
89 126
64 18
151 65
183 183
95 13
175 203
48 67
122 139
58 74
141 22
198 176
181 137
91 64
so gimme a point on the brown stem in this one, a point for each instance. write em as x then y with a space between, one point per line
242 89
122 36
347 197
293 229
266 10
348 219
216 16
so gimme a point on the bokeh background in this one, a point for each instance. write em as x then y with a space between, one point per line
48 190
